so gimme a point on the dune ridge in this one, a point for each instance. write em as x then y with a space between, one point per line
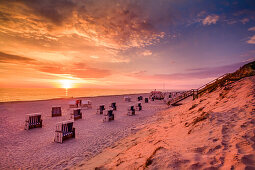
215 131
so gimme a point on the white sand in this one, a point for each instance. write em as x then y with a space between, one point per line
224 139
35 148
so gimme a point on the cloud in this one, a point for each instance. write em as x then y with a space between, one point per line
251 40
210 19
245 20
94 56
251 29
146 53
112 24
196 73
78 70
9 58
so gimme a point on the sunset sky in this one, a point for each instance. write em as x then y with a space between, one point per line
123 44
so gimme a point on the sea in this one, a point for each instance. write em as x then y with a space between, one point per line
32 94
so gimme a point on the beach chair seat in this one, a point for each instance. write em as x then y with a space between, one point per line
33 121
86 104
56 111
64 130
131 111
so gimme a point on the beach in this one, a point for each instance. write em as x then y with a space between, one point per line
36 149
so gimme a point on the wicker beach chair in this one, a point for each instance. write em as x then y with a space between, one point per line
33 121
138 107
64 130
72 104
86 104
109 116
131 111
146 100
77 114
139 98
113 106
100 109
56 111
127 99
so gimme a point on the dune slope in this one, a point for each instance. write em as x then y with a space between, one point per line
215 131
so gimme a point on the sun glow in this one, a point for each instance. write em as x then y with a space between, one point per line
66 84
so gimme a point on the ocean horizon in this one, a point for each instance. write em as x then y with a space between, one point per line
32 94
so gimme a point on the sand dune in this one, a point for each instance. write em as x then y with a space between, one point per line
35 149
215 131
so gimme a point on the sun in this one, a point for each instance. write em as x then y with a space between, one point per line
66 84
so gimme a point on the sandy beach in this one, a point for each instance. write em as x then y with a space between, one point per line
215 131
36 149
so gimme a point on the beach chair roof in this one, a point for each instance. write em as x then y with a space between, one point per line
56 106
85 101
65 122
72 102
33 114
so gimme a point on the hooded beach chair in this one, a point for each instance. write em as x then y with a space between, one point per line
100 109
86 104
109 116
113 106
131 111
138 107
127 99
64 130
146 100
73 104
56 111
139 98
33 121
77 114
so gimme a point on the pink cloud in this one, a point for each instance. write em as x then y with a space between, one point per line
210 19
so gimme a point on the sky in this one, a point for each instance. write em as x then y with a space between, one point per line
136 44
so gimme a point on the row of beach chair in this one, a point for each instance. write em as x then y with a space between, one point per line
65 129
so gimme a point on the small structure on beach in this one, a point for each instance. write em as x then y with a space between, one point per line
157 95
64 130
77 114
100 109
86 104
56 111
113 106
33 120
127 99
131 110
138 107
139 98
109 116
72 104
146 100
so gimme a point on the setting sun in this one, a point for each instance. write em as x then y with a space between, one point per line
66 84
